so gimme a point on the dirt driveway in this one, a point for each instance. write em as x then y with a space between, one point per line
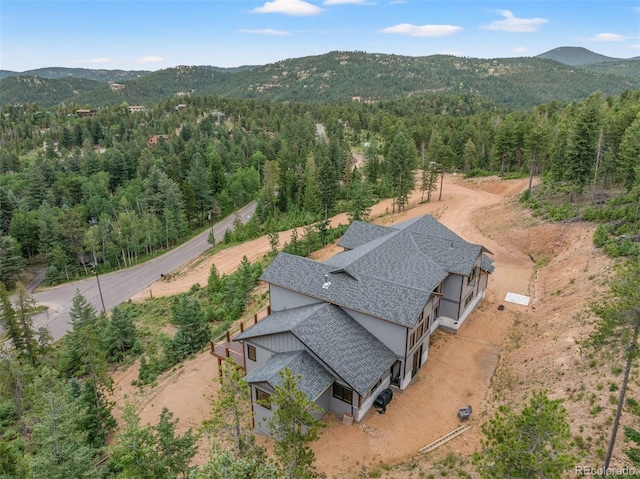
460 369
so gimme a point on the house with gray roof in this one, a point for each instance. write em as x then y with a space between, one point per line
360 322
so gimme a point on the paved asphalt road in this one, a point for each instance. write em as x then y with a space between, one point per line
119 286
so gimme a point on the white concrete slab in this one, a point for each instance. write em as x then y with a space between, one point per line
517 299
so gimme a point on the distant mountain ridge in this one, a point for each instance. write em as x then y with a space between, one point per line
105 76
341 76
576 56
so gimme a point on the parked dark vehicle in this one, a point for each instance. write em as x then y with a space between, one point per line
383 399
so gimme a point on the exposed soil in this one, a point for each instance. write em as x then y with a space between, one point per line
497 357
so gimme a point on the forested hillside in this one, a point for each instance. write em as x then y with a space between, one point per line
350 76
21 89
104 76
118 186
112 187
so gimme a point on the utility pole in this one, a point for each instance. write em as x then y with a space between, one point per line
95 270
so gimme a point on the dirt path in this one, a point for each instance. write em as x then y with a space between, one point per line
461 368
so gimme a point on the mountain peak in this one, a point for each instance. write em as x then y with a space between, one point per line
575 56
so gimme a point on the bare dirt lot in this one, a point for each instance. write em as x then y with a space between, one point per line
497 357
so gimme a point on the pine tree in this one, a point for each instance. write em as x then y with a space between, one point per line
224 465
83 356
232 418
533 443
60 448
193 328
9 321
120 334
152 452
619 330
399 167
293 428
583 142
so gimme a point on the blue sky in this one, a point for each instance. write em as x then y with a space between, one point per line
156 34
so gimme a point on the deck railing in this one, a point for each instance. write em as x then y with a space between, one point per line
224 347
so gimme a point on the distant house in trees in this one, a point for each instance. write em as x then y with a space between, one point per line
85 113
136 108
180 107
153 141
360 321
116 86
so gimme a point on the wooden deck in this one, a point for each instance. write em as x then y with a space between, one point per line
224 347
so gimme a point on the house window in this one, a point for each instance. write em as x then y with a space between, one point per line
436 311
251 352
419 331
343 393
263 398
412 340
468 299
471 279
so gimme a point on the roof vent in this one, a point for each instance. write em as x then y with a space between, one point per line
327 283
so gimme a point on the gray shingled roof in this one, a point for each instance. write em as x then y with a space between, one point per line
313 381
280 321
360 233
354 354
344 345
455 255
390 276
487 264
376 297
427 225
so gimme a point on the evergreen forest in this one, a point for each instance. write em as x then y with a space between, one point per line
115 187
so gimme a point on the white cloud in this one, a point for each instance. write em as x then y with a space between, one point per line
513 24
422 30
607 37
150 59
265 31
347 2
519 49
634 47
99 60
297 8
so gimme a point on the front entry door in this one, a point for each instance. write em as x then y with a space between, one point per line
395 374
417 361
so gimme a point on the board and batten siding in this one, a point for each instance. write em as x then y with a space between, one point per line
262 355
279 343
281 298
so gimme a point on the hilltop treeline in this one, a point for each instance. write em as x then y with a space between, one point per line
334 77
